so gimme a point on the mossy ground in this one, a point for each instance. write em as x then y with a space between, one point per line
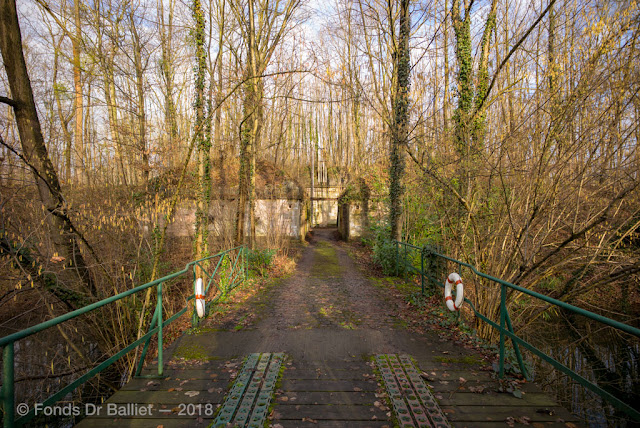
326 263
192 351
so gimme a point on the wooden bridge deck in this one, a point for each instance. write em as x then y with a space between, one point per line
331 324
339 393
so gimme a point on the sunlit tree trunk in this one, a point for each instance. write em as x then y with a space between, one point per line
64 121
142 148
203 143
77 81
400 123
168 74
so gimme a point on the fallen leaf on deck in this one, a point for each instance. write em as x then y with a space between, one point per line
523 420
192 393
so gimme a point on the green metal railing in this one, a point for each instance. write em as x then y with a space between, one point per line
405 260
234 272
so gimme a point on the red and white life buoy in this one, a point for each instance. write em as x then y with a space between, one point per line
199 292
453 278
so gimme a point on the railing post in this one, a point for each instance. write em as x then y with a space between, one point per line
145 348
404 263
503 311
245 258
422 269
194 317
397 258
160 322
8 397
516 348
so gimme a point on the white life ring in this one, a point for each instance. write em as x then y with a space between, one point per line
453 278
199 292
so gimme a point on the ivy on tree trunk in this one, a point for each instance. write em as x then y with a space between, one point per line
400 123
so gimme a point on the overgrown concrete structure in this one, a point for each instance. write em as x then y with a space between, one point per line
356 206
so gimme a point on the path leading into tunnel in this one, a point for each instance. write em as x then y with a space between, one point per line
324 347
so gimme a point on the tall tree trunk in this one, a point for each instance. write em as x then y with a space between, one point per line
445 101
218 120
64 121
250 127
483 78
142 116
203 142
62 232
168 74
77 81
400 123
462 114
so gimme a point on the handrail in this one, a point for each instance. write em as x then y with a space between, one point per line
506 329
7 393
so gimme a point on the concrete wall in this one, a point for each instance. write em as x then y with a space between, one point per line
274 217
352 221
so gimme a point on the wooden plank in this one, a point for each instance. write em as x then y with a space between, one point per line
454 375
333 424
538 400
165 385
328 385
516 424
352 365
497 413
143 423
328 412
330 374
188 373
446 387
166 397
326 397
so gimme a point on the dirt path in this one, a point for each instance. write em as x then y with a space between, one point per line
327 291
326 310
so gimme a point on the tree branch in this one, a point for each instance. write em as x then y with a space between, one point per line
9 101
506 58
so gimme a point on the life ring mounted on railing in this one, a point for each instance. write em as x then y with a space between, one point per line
453 278
199 294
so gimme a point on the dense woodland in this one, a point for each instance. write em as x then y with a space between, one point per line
503 131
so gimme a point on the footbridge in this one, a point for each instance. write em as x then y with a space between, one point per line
323 347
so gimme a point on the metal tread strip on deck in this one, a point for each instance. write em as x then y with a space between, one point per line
248 401
412 401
